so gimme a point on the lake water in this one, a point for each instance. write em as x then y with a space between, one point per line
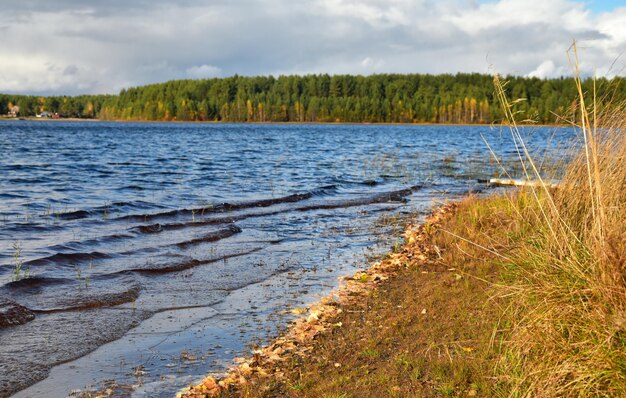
152 254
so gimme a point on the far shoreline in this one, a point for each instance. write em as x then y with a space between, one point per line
96 120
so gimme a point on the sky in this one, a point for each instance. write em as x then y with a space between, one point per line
69 47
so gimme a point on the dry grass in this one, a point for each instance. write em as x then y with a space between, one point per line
568 279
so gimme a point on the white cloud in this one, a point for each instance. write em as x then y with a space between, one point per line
203 71
371 65
74 47
508 13
377 13
547 69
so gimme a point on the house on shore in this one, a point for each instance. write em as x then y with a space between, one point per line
14 111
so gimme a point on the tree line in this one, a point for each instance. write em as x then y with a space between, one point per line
385 98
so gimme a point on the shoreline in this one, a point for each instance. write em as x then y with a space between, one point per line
40 119
214 122
320 317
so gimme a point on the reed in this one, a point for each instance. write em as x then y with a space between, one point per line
568 273
18 263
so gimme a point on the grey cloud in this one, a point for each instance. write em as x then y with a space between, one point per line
103 8
70 70
87 46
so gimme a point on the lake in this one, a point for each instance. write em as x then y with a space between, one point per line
153 254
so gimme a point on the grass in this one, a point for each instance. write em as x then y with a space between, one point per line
568 275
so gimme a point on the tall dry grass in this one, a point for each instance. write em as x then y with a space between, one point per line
568 276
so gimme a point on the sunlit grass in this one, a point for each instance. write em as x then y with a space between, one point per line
567 275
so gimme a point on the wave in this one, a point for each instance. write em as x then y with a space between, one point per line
68 258
103 210
27 181
34 282
211 237
78 244
91 300
7 195
229 207
370 183
167 267
385 197
73 215
31 227
44 294
393 196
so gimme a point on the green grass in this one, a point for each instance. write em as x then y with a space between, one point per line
18 263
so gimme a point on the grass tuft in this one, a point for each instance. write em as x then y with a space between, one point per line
568 275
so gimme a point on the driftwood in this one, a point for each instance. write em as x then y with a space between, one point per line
522 183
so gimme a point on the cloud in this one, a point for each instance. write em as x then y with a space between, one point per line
203 71
547 69
73 46
70 70
370 64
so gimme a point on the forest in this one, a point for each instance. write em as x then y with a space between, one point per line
464 98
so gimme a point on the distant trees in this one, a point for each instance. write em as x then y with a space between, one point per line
392 98
461 98
83 106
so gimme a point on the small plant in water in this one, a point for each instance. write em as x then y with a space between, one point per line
17 261
105 211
